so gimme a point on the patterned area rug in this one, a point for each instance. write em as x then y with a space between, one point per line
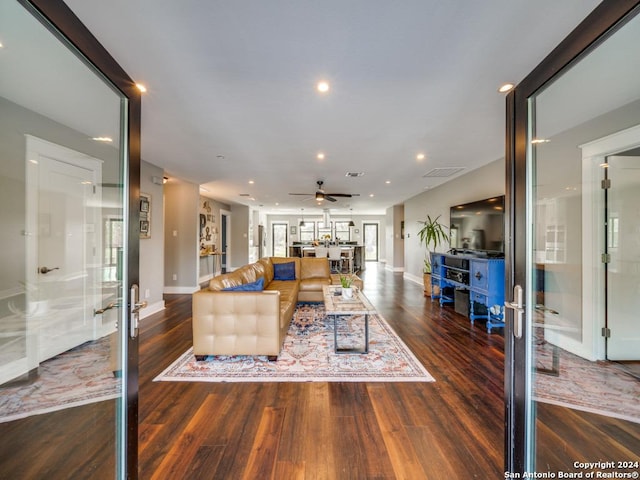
308 356
77 377
596 387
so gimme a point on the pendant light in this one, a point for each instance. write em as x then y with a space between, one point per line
351 224
302 214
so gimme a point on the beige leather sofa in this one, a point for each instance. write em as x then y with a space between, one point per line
255 322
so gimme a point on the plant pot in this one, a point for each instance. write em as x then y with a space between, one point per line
347 293
428 289
426 277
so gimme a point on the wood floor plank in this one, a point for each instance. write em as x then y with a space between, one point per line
264 452
404 459
290 471
178 461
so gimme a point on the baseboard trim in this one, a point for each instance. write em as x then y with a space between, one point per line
394 269
413 278
151 309
181 290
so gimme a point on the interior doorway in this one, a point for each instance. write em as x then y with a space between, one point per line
621 182
279 239
225 227
371 242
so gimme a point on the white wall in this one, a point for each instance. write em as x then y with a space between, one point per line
394 251
484 182
239 237
181 248
152 249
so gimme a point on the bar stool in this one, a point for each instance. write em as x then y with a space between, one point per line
348 255
335 256
321 252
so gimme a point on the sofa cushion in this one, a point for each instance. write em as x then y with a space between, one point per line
224 281
267 266
284 271
296 260
247 273
314 284
256 286
311 267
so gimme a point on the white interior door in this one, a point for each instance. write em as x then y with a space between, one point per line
623 269
63 257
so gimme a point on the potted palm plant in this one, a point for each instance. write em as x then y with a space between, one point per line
432 234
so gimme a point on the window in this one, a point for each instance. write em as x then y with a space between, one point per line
308 232
342 231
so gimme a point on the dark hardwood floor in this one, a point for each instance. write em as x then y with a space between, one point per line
451 429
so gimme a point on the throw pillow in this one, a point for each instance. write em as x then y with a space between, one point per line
256 286
284 271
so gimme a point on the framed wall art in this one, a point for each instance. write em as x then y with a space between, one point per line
145 215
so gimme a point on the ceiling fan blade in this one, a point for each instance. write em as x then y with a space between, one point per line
306 194
341 194
330 198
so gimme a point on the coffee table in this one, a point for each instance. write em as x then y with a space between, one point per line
337 307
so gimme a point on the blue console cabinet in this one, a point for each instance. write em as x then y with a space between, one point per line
482 278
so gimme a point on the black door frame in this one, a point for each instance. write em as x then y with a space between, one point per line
65 23
598 25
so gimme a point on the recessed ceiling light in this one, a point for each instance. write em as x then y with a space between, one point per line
320 156
141 87
371 195
323 86
103 139
507 87
277 204
420 156
540 140
1 45
251 182
387 182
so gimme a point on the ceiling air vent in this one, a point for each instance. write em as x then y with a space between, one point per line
245 194
354 174
443 172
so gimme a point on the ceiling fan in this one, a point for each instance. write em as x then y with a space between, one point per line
321 195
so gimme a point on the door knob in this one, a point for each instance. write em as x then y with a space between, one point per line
44 270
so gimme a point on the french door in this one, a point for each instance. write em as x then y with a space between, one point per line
570 254
69 183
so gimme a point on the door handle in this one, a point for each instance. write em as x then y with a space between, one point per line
100 311
134 310
518 306
45 270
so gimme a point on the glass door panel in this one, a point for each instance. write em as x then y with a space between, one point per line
63 188
370 239
623 266
279 241
568 405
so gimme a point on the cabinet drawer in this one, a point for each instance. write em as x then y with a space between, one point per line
479 275
479 298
